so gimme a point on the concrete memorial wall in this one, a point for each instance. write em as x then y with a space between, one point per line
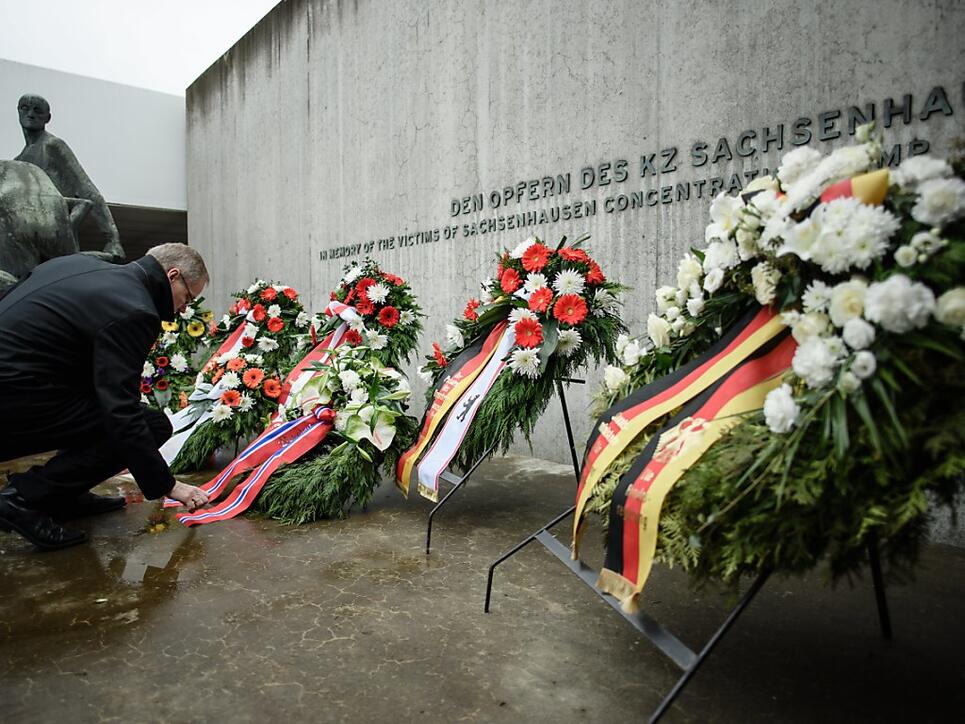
428 135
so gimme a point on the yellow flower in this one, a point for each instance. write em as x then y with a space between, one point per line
196 329
207 315
169 326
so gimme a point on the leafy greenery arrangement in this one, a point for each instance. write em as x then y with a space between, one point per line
868 426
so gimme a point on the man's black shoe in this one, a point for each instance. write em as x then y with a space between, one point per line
85 504
34 525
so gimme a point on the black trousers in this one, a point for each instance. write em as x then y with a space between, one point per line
87 454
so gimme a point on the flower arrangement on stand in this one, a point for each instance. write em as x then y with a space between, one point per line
545 313
238 390
170 370
865 267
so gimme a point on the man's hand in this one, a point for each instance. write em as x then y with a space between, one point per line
188 495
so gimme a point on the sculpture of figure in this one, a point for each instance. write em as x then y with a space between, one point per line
54 156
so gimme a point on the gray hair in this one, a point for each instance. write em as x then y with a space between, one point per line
183 257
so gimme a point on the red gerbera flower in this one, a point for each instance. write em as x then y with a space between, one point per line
290 293
470 311
269 294
362 287
595 275
393 279
509 281
243 306
235 364
217 375
535 257
272 388
570 309
437 353
162 361
539 301
161 385
258 313
529 332
145 388
275 324
364 306
389 317
231 398
253 377
353 337
247 341
571 254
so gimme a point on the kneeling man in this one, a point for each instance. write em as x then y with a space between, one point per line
74 335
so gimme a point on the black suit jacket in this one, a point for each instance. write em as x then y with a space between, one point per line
74 335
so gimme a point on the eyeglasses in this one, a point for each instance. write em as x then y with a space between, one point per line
184 281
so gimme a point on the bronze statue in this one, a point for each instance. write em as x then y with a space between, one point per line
53 155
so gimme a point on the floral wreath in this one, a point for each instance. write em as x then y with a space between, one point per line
169 371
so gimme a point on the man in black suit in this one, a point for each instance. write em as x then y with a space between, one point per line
74 335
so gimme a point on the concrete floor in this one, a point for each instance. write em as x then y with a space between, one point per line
249 620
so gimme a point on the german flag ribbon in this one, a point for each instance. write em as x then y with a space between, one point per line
467 366
869 188
623 422
453 432
286 445
637 500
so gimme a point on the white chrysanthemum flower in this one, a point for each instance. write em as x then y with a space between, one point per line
520 249
950 308
631 354
519 313
764 277
533 282
847 301
780 409
274 310
916 169
359 396
940 201
848 382
350 379
341 420
246 402
221 412
302 319
454 338
147 370
797 164
614 378
689 271
858 334
230 380
187 313
658 329
604 303
378 292
816 297
254 359
898 304
525 362
713 280
179 363
840 164
568 281
375 340
267 344
905 256
695 306
169 338
425 375
864 364
721 255
406 317
814 362
352 273
851 234
808 326
569 342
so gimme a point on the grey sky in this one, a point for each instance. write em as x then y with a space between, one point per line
158 44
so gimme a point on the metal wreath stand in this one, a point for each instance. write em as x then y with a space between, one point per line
684 657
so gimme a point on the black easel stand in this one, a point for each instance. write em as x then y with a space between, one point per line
458 482
672 647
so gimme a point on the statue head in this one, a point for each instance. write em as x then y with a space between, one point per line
34 112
